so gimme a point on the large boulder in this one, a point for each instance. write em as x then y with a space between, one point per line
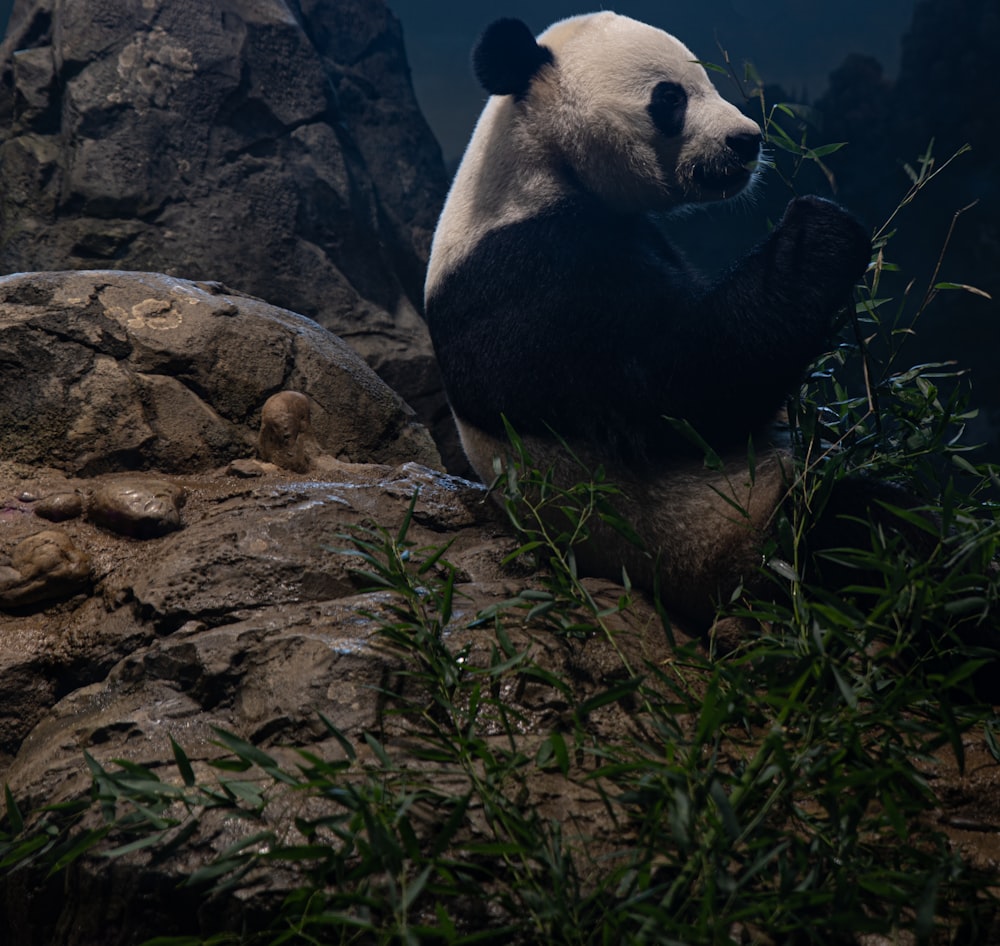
278 148
103 371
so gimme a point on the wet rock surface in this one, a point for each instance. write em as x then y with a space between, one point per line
264 546
42 567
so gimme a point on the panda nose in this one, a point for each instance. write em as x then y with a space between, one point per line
745 145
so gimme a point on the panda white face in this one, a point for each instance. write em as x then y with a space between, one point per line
637 118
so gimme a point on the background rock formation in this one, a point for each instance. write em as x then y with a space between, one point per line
274 146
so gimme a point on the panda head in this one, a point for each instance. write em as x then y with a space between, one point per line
615 107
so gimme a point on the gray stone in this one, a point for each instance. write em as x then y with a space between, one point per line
229 139
250 547
104 371
41 568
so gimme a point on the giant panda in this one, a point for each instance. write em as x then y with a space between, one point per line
556 299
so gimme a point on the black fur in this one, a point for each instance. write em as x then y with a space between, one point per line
667 107
507 58
591 324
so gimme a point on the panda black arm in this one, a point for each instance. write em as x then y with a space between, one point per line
773 312
788 290
725 356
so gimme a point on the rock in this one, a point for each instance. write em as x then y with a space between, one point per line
59 507
247 469
248 547
44 567
104 371
271 545
286 433
137 507
281 153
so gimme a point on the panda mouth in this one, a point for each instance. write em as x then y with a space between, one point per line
727 182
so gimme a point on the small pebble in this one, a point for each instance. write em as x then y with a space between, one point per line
245 469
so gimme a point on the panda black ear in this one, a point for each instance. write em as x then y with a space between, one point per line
507 58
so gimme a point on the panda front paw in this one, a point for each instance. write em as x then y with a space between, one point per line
821 248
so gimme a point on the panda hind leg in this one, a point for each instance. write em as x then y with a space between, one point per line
701 532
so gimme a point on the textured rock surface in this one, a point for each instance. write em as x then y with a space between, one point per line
247 618
276 147
255 550
103 371
42 567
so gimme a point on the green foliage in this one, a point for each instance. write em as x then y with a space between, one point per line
785 794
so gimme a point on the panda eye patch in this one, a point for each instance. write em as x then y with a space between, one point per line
667 106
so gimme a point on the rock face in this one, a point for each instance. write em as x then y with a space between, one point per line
256 550
274 146
105 371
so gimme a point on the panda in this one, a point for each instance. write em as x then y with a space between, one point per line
556 300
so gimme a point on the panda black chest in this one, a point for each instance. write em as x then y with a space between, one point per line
548 322
575 268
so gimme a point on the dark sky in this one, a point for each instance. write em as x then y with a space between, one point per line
795 43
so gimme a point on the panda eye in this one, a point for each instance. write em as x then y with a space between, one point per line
666 107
